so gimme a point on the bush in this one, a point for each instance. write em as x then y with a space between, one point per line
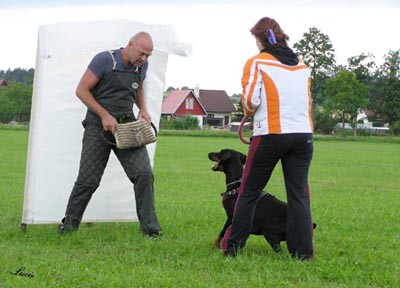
15 102
377 123
186 122
396 128
323 122
343 132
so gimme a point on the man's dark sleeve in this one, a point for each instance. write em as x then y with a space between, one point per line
101 63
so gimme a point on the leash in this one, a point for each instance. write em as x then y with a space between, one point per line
113 143
240 131
239 180
230 193
233 191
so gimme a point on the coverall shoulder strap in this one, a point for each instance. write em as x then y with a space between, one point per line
113 59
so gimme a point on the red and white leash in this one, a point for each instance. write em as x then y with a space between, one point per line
240 131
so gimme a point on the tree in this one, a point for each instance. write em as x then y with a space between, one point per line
363 67
18 75
170 88
385 95
15 102
239 114
236 98
347 96
391 67
237 102
317 52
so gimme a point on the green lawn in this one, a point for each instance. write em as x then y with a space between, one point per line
355 202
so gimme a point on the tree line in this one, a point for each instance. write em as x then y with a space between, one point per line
16 95
340 92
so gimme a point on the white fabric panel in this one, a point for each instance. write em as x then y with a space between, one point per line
64 51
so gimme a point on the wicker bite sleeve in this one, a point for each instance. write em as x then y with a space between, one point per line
135 134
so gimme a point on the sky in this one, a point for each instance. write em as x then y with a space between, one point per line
218 31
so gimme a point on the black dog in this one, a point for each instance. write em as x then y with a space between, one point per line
270 214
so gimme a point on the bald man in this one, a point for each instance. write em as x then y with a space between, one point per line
112 83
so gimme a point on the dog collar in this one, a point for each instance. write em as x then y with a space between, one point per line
233 191
230 193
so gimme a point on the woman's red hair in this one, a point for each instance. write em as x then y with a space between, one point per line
260 30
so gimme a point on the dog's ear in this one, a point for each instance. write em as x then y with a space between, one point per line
224 155
243 158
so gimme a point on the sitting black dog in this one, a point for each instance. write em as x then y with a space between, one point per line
270 215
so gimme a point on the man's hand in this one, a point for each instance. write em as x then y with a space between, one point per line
144 114
109 123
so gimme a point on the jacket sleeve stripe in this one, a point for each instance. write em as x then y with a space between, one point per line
310 105
273 110
249 81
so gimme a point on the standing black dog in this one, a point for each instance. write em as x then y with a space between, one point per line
269 218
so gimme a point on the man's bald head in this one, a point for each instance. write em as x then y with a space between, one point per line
139 48
142 38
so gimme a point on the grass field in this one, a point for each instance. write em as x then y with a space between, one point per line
355 202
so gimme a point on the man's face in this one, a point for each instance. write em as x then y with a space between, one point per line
139 52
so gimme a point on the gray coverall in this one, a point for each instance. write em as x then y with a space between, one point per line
116 92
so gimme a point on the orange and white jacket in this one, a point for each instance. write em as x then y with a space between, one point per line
278 95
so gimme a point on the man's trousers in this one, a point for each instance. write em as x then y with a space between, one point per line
94 158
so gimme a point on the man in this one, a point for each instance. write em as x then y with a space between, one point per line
112 83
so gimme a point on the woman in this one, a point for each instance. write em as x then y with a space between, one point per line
276 90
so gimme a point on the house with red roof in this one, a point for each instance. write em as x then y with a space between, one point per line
179 103
212 107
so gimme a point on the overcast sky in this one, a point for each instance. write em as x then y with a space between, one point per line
219 33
